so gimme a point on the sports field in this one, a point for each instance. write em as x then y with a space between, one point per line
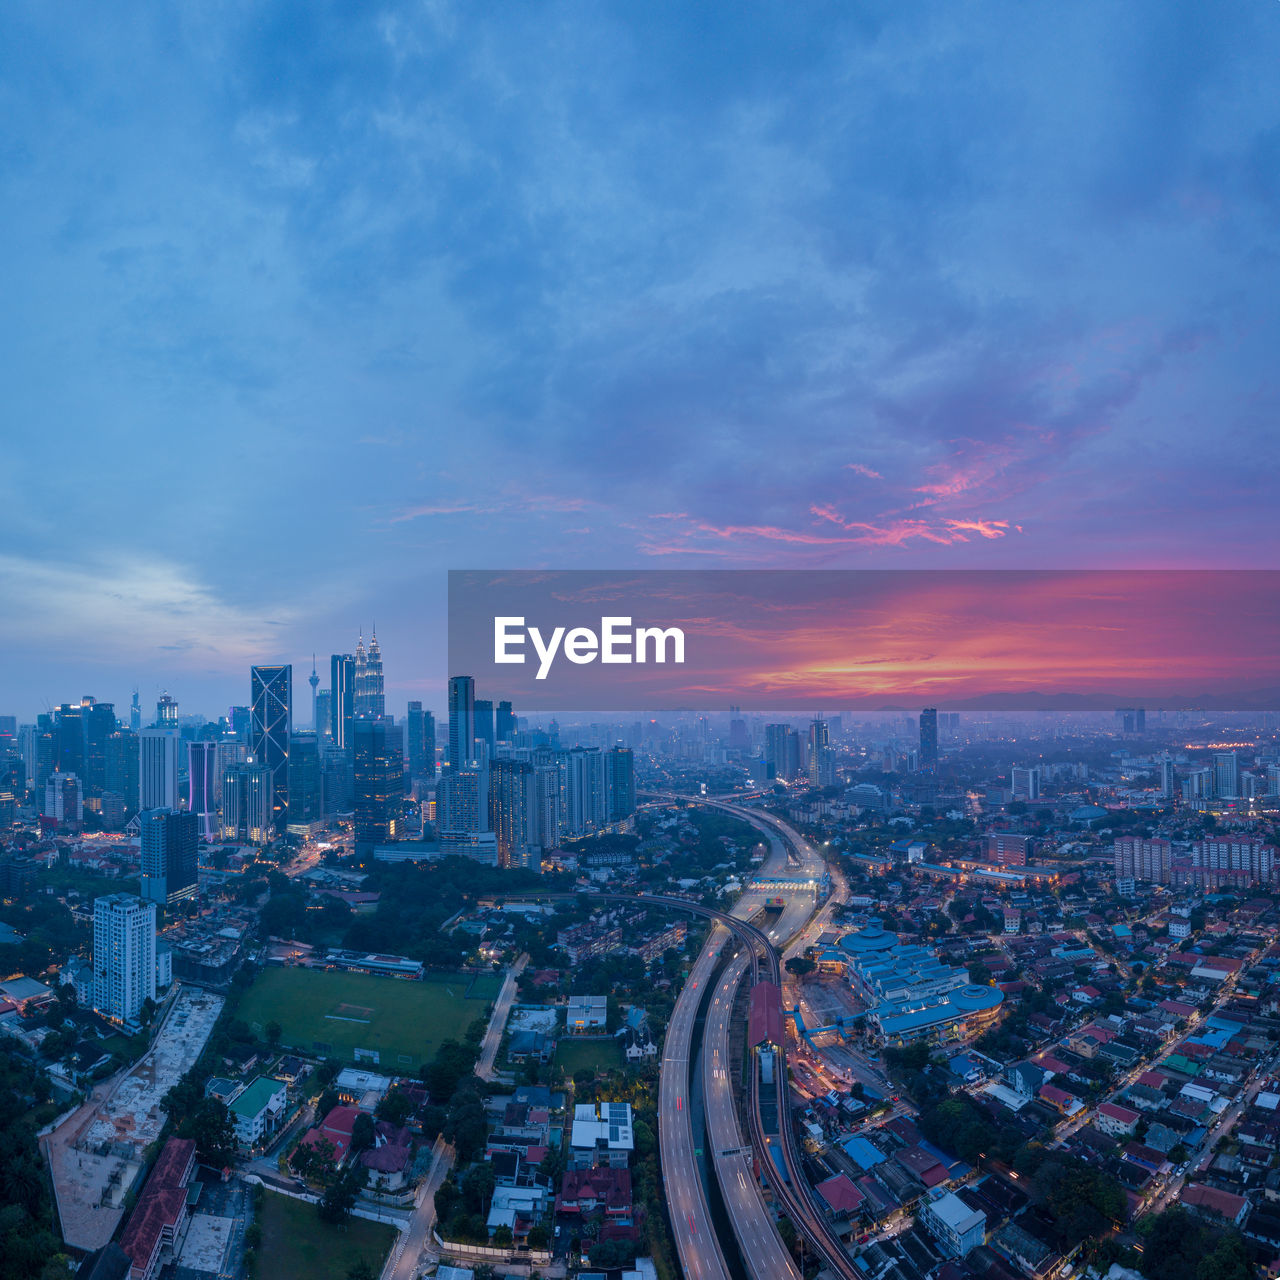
332 1014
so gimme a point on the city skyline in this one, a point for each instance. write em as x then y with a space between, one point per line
828 289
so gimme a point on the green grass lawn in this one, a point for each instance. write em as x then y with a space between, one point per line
296 1245
581 1055
404 1022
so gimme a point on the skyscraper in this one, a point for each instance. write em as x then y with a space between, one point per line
505 723
124 955
420 738
270 728
248 809
620 783
513 809
375 697
584 791
304 778
462 801
929 740
169 855
324 715
484 728
342 698
203 789
1226 775
158 769
361 677
166 712
462 720
379 783
135 713
821 761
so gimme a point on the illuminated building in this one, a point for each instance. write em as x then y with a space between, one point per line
248 809
420 740
378 775
124 955
270 729
203 786
169 841
620 784
462 720
158 768
342 698
304 778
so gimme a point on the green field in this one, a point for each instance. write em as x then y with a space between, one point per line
332 1014
296 1245
582 1055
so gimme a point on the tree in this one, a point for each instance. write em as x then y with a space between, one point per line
213 1132
800 966
363 1133
340 1197
360 1270
539 1237
502 1237
394 1107
274 1031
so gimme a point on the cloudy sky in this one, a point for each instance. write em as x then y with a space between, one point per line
305 304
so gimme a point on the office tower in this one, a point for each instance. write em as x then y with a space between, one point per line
135 713
158 769
69 736
1168 776
122 754
485 728
248 806
337 780
462 720
462 800
166 712
46 753
1226 775
304 778
929 740
170 857
1025 784
342 698
124 955
505 723
64 801
324 715
374 694
821 760
739 739
1198 784
1273 779
99 723
202 787
420 738
314 681
270 727
620 783
378 776
8 726
1008 850
513 809
584 791
241 721
1140 720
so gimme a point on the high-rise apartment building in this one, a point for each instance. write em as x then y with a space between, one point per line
270 730
170 858
620 783
462 800
462 720
1008 850
1138 858
64 801
513 809
124 955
